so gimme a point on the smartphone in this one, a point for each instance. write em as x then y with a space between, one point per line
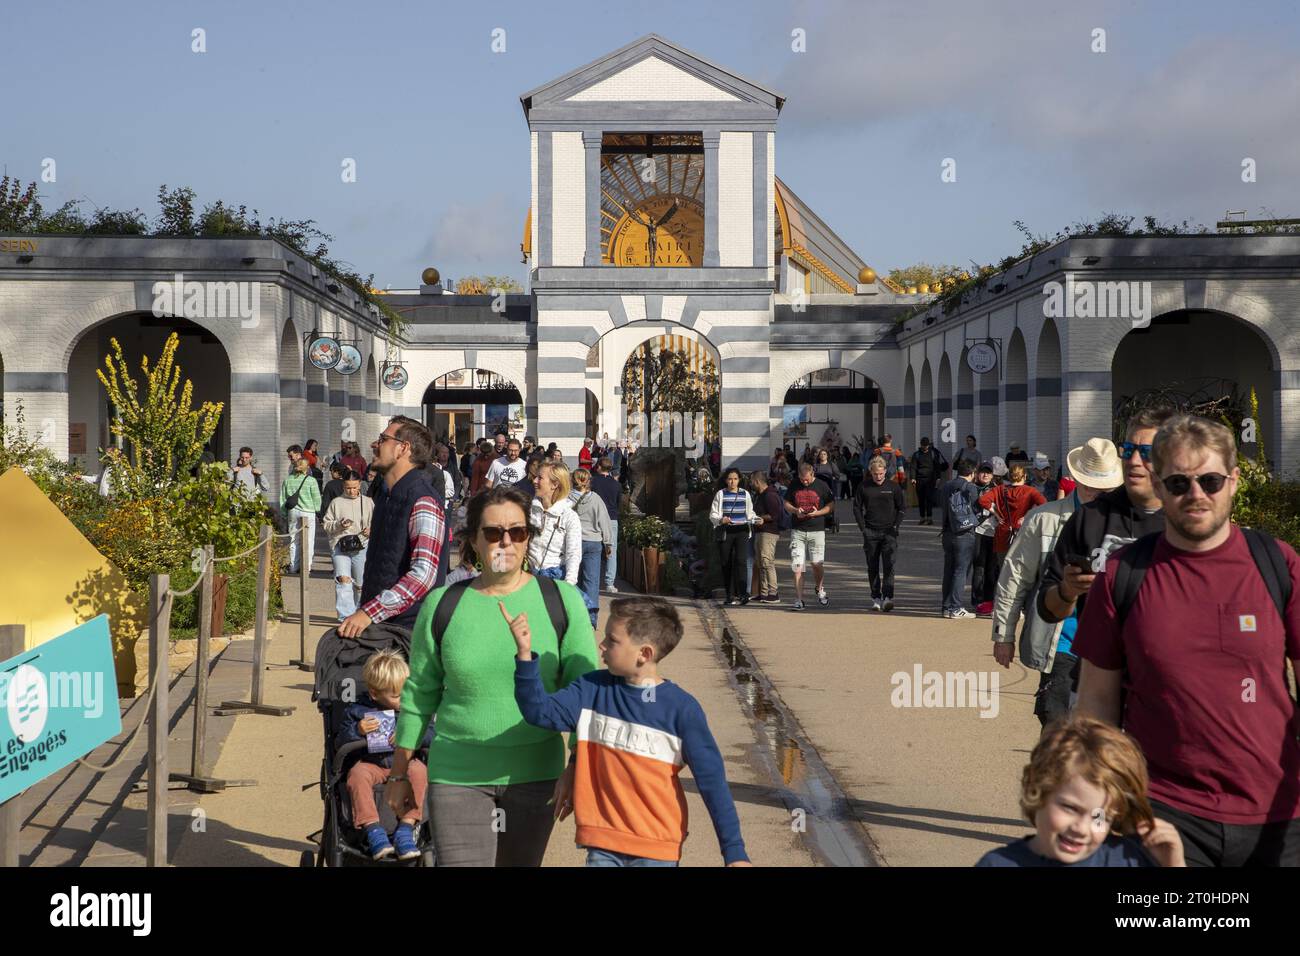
1081 564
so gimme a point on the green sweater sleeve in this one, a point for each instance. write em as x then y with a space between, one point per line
423 689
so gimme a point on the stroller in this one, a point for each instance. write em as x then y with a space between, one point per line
339 663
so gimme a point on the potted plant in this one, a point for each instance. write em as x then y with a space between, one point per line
644 540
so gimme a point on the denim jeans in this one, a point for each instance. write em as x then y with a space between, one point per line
347 566
597 857
295 519
611 563
589 577
958 553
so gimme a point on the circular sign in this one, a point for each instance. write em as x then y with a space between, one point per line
28 703
349 360
395 377
982 358
324 352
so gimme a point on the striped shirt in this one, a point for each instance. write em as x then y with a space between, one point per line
425 529
733 505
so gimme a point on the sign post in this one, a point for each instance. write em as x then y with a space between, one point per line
304 572
11 645
255 705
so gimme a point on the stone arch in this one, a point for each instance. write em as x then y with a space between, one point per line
908 438
842 395
1046 427
676 429
925 406
472 402
1015 394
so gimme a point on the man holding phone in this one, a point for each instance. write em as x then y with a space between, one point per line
809 501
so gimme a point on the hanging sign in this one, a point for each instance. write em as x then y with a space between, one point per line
324 352
982 358
394 377
349 360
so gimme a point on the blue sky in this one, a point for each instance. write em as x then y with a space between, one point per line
1042 129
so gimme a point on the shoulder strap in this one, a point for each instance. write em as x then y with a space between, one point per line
1133 563
445 609
554 608
1272 567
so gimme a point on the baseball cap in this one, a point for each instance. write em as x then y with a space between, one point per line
985 466
1041 460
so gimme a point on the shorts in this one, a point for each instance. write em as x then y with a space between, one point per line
809 546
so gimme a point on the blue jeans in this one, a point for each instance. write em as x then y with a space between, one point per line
610 858
556 573
958 555
347 566
589 577
611 563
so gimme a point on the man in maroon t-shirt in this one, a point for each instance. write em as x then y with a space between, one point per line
1204 648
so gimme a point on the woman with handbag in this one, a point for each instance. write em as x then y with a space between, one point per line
300 498
347 522
555 551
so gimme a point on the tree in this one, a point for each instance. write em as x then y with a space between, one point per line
922 273
165 436
487 285
675 387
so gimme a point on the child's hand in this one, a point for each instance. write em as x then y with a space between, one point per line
1163 843
368 725
520 632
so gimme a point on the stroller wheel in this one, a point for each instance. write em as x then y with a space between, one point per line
308 860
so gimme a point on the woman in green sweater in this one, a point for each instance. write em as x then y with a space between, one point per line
484 757
300 498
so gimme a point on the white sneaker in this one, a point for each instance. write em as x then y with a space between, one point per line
798 605
822 599
611 590
875 605
960 614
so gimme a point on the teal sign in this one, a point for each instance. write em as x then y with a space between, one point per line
58 702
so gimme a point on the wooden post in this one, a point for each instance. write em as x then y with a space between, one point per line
160 606
198 761
304 573
12 643
259 633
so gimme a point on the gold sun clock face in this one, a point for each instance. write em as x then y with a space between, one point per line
660 192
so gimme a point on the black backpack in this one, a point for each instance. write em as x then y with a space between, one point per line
451 597
1136 558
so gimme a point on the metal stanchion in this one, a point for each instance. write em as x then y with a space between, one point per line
160 605
12 643
304 572
255 706
197 778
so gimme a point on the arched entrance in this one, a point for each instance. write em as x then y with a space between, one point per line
908 438
669 392
833 402
1015 392
469 403
1197 357
1047 395
200 355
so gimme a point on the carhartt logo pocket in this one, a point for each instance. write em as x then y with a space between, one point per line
1246 622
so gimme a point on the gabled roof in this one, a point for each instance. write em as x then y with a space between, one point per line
651 46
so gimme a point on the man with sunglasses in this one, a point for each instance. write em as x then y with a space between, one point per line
1201 648
407 532
1105 524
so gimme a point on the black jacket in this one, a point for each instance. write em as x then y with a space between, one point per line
1103 525
388 556
928 465
879 507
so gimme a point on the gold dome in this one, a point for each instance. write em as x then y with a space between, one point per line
430 276
923 288
911 290
866 275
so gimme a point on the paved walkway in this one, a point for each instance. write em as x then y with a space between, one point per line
933 786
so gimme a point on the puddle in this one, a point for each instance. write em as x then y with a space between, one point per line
793 766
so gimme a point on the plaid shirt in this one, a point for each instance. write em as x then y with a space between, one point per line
425 530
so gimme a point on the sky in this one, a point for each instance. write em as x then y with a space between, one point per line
1040 127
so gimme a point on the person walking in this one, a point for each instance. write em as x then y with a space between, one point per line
479 469
1184 643
347 523
585 454
927 466
773 519
809 503
878 508
604 485
508 469
496 784
959 499
825 468
404 560
556 550
970 452
245 473
596 538
1010 502
983 583
300 498
733 519
1048 647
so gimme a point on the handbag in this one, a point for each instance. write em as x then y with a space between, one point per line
351 544
292 501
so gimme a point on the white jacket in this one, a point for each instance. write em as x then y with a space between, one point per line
359 509
751 518
1018 585
558 542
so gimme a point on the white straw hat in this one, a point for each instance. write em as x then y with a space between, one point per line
1096 464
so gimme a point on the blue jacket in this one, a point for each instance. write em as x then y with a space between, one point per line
350 731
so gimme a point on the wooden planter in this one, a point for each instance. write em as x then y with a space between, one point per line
652 560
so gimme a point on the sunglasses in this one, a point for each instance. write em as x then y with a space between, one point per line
516 535
1126 451
1178 485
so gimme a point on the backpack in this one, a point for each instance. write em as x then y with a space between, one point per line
1136 558
963 515
451 597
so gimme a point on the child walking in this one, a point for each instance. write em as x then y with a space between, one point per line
635 733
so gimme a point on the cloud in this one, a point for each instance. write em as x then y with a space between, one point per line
479 236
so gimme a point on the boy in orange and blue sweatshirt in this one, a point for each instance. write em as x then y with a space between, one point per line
635 733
